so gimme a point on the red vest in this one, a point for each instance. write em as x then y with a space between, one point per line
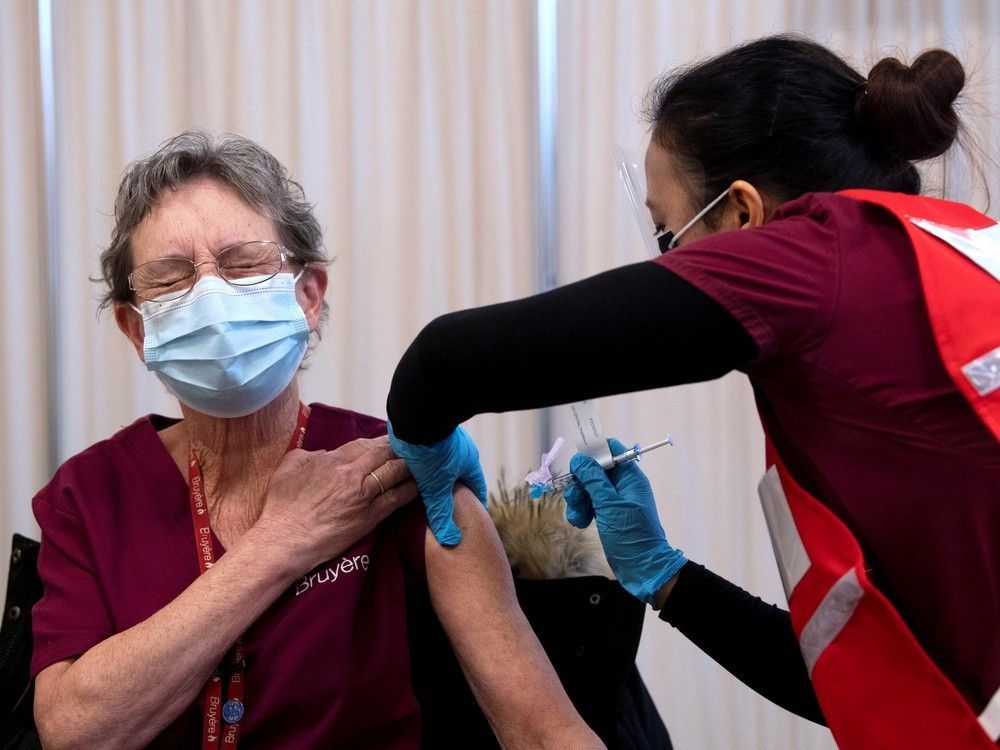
876 685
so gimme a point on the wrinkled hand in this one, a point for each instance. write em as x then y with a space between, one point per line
622 501
322 502
437 468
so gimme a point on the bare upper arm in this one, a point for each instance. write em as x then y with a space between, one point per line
473 595
475 573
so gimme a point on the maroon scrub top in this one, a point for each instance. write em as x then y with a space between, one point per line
852 390
327 663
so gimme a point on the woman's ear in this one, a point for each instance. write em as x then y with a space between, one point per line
311 291
130 323
745 207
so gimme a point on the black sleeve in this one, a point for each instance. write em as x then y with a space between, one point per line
750 638
631 329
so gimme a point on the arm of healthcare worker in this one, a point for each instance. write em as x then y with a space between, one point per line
750 638
630 329
473 595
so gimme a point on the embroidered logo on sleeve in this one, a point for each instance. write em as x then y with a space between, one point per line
332 572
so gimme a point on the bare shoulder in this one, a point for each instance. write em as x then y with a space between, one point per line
479 535
468 507
475 569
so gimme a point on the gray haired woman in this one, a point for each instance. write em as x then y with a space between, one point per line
236 576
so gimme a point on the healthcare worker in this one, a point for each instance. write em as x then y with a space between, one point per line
867 318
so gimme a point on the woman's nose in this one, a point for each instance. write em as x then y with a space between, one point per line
205 268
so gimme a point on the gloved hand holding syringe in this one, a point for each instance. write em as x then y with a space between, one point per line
538 488
591 440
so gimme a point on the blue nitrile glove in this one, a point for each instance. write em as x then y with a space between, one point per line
437 468
630 530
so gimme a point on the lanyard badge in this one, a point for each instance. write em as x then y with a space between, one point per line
221 719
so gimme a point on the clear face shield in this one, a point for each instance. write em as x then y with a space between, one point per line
633 177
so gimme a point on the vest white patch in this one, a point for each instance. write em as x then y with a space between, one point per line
830 617
989 719
793 560
984 372
981 246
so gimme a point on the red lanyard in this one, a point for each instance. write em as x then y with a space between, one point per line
221 721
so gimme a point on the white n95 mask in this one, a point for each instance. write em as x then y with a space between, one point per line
226 350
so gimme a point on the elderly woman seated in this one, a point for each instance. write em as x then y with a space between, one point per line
236 576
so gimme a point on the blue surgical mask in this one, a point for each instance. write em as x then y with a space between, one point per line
227 350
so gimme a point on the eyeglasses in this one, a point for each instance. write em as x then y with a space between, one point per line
245 264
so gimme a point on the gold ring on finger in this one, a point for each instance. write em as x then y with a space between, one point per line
381 487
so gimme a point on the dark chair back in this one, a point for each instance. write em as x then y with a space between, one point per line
24 588
590 629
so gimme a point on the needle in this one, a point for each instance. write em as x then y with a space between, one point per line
632 454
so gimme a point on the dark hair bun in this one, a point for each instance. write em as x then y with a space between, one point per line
909 108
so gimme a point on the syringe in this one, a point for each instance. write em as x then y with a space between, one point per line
564 480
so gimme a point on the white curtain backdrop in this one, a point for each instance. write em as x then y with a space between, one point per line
24 412
413 127
608 53
410 126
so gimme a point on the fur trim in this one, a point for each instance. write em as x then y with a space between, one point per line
539 542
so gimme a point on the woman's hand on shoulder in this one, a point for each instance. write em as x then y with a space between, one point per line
319 503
